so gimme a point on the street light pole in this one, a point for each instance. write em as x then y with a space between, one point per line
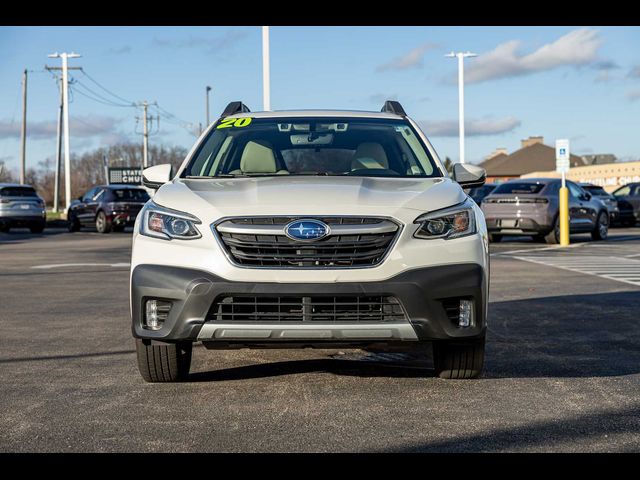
207 90
65 122
23 132
266 87
461 56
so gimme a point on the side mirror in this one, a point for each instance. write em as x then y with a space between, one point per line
79 198
156 176
587 196
469 176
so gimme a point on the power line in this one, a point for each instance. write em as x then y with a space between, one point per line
98 95
107 90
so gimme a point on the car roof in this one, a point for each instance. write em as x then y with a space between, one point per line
318 113
121 186
2 185
533 180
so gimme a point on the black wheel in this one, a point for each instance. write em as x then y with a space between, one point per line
37 227
169 362
553 237
494 237
103 224
538 238
73 225
601 230
458 360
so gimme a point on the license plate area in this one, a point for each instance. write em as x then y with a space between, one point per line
508 223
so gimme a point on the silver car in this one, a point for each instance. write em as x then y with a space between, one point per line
20 206
530 206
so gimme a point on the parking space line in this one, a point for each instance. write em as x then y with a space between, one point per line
619 269
62 265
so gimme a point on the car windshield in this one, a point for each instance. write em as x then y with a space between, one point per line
519 187
18 192
130 194
312 146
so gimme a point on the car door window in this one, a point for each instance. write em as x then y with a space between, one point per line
89 195
622 192
575 191
98 195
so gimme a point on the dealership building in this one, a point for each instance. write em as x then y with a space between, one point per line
535 159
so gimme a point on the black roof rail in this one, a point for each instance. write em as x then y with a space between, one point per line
235 107
392 106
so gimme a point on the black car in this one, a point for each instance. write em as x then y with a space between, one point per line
628 197
107 207
478 193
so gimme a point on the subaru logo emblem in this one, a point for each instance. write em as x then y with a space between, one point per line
302 230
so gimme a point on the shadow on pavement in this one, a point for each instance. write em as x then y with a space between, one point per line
595 426
65 357
593 335
294 367
566 336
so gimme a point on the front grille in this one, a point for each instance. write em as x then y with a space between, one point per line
353 242
328 309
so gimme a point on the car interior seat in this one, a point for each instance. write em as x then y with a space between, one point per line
369 155
258 157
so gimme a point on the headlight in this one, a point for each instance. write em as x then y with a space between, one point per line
161 222
452 222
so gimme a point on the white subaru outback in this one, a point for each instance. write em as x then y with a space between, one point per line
327 229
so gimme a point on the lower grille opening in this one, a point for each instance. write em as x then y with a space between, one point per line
328 309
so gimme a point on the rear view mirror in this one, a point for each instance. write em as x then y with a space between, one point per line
469 176
156 176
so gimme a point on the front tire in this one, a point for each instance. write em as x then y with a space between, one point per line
169 362
458 360
73 225
601 231
103 224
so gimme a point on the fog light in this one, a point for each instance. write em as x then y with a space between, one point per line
465 318
156 312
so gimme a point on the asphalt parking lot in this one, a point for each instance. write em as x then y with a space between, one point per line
562 369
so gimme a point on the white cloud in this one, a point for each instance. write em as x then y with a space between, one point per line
633 95
634 72
80 126
472 127
413 59
382 97
120 50
576 48
211 44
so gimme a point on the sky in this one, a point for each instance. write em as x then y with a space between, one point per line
581 83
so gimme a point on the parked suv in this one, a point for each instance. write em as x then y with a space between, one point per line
107 207
310 229
21 206
530 206
608 199
628 197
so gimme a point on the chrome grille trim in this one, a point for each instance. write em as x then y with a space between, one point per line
385 226
340 226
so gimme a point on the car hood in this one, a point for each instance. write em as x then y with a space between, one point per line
287 195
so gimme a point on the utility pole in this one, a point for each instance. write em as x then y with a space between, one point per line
207 90
461 56
266 87
23 134
56 186
145 132
65 122
145 140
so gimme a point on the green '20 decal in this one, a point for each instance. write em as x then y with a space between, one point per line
235 122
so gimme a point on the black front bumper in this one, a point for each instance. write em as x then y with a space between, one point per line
421 292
